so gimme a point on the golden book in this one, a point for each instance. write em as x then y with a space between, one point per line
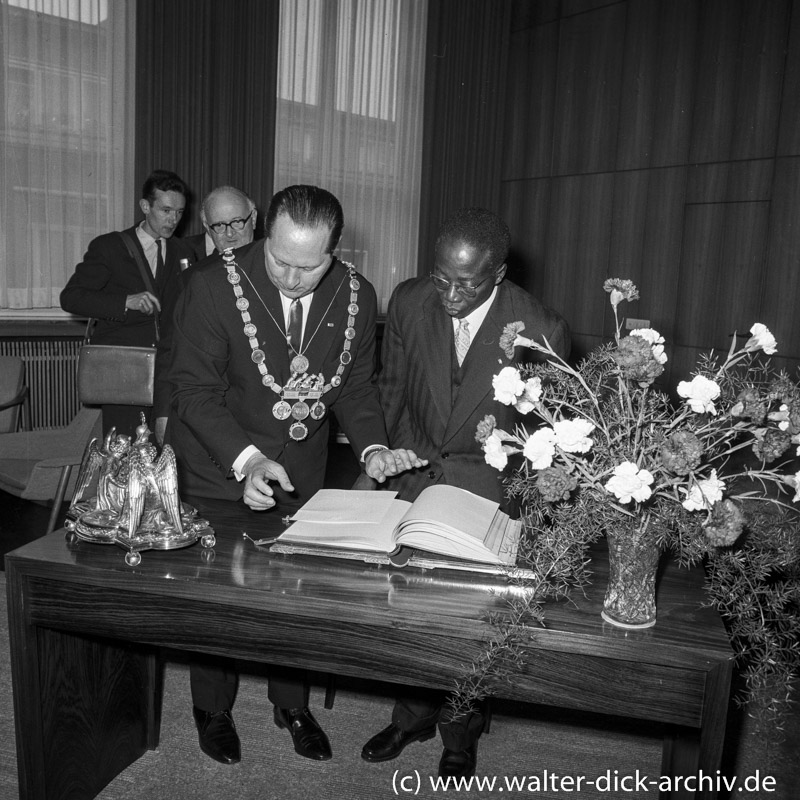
444 527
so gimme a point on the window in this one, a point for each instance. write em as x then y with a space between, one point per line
350 120
64 166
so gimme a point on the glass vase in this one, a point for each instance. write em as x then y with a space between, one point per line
633 557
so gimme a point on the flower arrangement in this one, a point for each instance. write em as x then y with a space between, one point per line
709 478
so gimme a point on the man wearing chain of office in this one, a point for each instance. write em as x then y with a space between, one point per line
269 339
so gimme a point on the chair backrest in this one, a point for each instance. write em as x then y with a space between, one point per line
12 380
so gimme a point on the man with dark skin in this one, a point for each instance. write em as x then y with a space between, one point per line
440 351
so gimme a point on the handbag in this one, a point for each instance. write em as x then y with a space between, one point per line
117 374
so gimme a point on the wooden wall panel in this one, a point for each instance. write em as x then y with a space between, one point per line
779 311
721 272
732 181
657 84
531 110
528 204
577 245
789 139
693 99
588 91
646 239
741 52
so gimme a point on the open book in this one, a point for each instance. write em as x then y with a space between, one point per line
459 528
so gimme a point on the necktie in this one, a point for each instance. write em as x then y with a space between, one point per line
159 270
462 341
294 332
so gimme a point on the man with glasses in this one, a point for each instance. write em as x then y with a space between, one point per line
440 351
268 340
229 218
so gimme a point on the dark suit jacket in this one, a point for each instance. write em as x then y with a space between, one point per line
104 279
219 405
433 407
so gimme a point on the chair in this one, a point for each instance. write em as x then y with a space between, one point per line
13 395
37 465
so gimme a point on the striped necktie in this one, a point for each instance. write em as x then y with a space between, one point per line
462 341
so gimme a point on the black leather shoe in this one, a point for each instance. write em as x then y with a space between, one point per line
391 741
218 737
309 739
458 763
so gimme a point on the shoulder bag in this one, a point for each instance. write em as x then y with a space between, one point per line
115 374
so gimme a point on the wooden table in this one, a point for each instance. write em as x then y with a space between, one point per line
85 628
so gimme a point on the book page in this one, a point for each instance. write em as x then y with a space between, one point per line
454 510
346 506
350 530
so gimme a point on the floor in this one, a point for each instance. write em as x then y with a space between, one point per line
747 749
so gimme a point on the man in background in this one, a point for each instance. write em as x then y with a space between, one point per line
250 328
229 217
129 281
229 220
440 351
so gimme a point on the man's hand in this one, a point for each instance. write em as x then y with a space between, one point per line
382 464
144 302
259 469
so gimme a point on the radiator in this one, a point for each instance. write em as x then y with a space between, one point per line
51 369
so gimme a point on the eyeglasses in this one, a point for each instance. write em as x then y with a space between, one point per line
443 285
236 224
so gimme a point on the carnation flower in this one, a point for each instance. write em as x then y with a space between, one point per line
507 385
530 396
794 482
540 448
494 453
761 339
771 443
621 289
636 360
681 453
704 493
700 394
630 483
724 524
656 341
485 428
749 405
572 435
555 484
510 338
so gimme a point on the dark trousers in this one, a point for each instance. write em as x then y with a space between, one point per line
214 681
420 708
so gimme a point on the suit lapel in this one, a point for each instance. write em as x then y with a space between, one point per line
484 359
436 344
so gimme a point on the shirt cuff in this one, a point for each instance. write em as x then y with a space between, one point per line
242 459
371 449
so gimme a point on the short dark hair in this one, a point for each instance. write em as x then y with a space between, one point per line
308 207
164 181
482 229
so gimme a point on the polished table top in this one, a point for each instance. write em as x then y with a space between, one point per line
452 602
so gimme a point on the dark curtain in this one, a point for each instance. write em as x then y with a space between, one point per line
206 95
465 80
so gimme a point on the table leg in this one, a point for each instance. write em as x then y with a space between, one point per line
84 709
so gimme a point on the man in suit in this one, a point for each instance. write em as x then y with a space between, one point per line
440 351
133 305
229 217
268 338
